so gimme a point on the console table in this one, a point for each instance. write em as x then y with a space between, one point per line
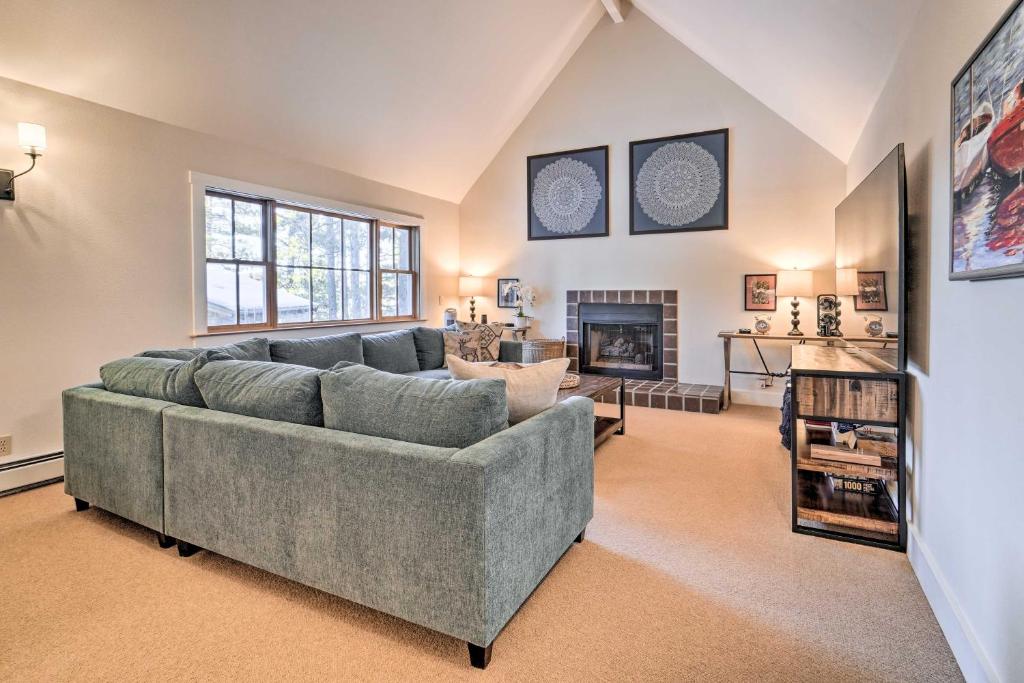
727 337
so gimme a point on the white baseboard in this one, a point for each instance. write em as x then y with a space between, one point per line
970 655
31 473
754 397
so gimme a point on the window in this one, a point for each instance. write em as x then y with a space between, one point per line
270 265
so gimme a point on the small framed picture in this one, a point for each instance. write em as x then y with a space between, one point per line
759 292
506 297
871 291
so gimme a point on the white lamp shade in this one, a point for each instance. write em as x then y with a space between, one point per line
795 283
471 286
846 281
32 137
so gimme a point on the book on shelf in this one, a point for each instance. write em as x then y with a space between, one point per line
849 455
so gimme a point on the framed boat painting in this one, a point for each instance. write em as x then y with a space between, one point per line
567 194
987 157
679 183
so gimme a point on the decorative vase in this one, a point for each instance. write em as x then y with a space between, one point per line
521 321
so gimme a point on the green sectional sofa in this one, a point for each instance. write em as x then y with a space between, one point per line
447 518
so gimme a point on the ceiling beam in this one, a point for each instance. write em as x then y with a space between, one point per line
614 8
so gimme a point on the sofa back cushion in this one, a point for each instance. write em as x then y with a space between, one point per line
165 379
318 352
272 391
257 348
433 412
391 351
429 343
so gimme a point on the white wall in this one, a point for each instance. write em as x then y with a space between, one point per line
95 261
633 81
966 411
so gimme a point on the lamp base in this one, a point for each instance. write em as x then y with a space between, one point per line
795 332
6 185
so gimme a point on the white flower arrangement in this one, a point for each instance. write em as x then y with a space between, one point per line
525 295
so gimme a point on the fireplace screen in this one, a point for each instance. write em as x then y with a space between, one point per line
614 346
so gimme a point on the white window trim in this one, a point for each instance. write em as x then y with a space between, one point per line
201 182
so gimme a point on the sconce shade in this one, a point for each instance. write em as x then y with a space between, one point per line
471 286
846 281
32 138
795 283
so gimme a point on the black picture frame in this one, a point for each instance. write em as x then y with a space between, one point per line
597 226
503 300
883 304
716 142
748 304
1001 125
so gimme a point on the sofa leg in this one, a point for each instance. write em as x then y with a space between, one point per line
81 505
579 539
479 657
164 540
186 549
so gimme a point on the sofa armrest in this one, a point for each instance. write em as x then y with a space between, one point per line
538 496
510 351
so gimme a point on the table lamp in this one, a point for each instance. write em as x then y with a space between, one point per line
795 283
846 285
471 287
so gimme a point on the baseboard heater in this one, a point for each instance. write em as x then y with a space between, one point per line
29 473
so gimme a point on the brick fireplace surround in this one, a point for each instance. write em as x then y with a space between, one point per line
669 393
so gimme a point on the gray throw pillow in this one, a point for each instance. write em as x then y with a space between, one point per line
446 413
165 379
272 391
318 352
257 348
429 347
391 351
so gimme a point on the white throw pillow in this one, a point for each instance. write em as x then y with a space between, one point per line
531 388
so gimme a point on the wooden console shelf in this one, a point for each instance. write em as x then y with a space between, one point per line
842 386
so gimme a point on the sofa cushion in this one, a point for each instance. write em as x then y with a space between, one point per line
165 379
272 391
318 352
429 347
532 388
436 373
391 351
474 342
432 412
257 348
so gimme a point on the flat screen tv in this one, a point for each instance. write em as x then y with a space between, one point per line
871 225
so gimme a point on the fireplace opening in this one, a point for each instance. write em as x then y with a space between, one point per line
621 339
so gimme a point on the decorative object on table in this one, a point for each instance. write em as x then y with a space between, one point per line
506 293
32 140
473 342
762 324
759 292
743 330
795 283
524 295
873 325
828 316
450 314
871 291
987 157
567 194
471 287
846 285
483 318
530 389
570 381
679 183
539 350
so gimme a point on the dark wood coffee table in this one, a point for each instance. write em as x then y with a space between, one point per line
595 387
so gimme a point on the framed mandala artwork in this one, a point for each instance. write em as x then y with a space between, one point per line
679 183
567 194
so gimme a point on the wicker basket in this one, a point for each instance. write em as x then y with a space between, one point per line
537 350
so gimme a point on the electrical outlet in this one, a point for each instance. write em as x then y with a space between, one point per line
5 445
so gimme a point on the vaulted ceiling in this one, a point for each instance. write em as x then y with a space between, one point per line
421 94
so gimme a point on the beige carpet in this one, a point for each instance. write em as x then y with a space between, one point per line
689 572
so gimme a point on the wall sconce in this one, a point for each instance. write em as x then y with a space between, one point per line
31 139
